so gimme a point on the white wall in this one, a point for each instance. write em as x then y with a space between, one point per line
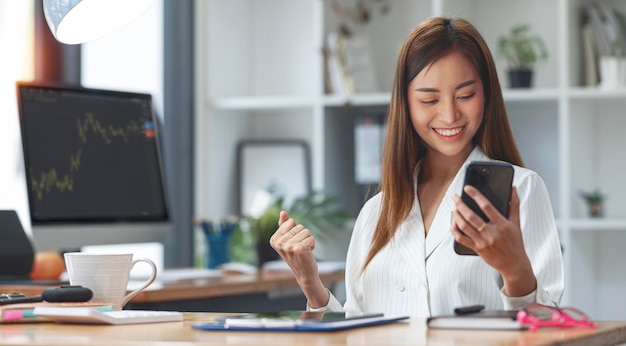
130 59
16 63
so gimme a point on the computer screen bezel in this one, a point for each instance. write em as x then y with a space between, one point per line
103 222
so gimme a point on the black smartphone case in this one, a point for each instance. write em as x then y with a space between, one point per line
494 180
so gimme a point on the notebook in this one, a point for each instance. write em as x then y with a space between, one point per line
298 321
486 319
25 312
94 316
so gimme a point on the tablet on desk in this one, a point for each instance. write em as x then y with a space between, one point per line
298 321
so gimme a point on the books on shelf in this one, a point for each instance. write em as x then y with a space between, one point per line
607 27
589 56
338 81
360 64
349 65
486 319
602 42
603 31
24 312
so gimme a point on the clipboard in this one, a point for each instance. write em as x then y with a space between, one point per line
288 323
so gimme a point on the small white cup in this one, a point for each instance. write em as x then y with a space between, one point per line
106 275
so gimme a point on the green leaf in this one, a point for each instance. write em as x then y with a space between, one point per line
317 211
521 48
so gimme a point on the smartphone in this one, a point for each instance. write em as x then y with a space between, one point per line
494 180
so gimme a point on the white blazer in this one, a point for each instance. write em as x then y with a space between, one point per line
421 275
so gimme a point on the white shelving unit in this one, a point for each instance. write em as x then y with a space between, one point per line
260 76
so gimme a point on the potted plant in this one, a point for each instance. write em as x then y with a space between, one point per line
262 229
316 211
609 44
595 202
522 50
612 67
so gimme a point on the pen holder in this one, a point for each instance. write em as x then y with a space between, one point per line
217 237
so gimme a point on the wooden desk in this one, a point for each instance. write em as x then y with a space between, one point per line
263 292
413 332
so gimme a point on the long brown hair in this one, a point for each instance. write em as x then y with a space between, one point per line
429 41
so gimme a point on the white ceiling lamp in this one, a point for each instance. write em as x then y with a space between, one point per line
79 21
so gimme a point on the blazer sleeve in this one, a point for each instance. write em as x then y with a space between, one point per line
333 305
541 240
357 251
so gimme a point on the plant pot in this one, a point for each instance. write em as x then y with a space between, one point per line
265 253
611 73
596 209
218 249
520 78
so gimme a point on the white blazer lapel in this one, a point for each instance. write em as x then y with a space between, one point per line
440 228
409 241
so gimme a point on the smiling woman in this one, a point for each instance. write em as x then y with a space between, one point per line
446 110
16 63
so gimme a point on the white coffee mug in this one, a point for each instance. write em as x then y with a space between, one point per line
106 275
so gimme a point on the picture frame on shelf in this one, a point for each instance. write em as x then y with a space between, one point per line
270 169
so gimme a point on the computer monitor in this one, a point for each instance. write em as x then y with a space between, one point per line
93 167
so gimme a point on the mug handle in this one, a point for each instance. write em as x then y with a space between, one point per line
150 280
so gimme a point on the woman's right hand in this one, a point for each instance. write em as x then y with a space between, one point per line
295 244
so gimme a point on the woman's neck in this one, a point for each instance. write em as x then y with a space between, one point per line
438 168
436 173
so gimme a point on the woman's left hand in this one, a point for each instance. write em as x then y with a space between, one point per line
499 242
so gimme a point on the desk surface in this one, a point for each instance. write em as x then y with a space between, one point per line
226 285
413 332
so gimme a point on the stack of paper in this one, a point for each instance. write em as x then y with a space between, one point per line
24 312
